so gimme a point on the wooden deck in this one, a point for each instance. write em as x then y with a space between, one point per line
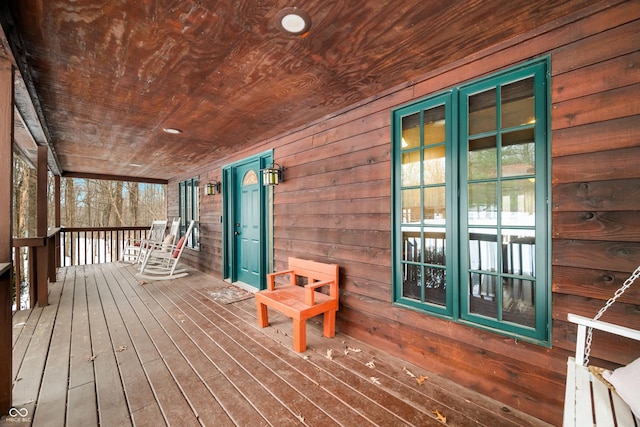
109 350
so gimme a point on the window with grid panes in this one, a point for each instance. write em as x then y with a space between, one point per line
471 218
189 209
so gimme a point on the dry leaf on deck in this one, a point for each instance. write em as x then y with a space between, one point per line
421 379
330 354
122 348
92 358
408 372
375 380
305 357
355 350
440 416
371 365
142 282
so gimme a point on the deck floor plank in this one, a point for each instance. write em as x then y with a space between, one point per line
20 319
298 403
81 369
179 353
112 404
231 363
344 386
53 393
230 396
336 392
237 365
21 343
168 393
140 398
168 353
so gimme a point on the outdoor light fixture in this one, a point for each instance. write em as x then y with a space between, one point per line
293 21
212 188
272 174
172 131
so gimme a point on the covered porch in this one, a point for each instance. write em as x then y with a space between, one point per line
110 349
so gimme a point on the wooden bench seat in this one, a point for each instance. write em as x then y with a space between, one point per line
302 302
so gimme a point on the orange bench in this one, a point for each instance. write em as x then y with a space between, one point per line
301 302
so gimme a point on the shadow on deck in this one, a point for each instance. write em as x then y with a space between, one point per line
110 350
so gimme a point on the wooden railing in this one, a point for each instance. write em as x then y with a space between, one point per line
65 247
95 245
41 257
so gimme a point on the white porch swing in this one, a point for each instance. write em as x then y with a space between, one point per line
613 398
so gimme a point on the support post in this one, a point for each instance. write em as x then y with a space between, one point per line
6 233
41 252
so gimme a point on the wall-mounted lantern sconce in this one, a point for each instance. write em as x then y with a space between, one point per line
272 174
212 188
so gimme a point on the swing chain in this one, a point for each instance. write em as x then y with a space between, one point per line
616 295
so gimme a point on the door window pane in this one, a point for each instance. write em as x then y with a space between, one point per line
435 285
411 131
435 205
518 202
410 169
518 253
482 158
482 112
434 165
483 250
434 126
518 301
518 153
483 203
518 103
411 206
482 295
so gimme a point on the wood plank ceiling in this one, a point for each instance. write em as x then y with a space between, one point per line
107 76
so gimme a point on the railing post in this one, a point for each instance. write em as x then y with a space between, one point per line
51 255
33 284
17 268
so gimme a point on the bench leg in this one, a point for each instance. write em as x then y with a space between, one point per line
330 324
263 315
299 335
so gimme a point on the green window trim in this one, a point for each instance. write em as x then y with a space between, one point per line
189 209
471 184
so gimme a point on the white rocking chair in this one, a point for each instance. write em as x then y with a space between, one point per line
168 240
160 262
131 251
586 395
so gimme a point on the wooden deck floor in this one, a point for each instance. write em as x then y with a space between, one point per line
112 351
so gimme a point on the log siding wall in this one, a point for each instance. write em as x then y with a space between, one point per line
335 206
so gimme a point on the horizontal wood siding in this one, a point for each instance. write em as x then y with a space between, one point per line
335 207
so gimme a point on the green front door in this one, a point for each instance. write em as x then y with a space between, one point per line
247 230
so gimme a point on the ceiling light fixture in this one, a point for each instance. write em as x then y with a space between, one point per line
172 131
293 21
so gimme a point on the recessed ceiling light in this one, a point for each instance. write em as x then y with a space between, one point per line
172 131
293 21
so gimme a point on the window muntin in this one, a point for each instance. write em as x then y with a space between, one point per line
189 209
471 214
